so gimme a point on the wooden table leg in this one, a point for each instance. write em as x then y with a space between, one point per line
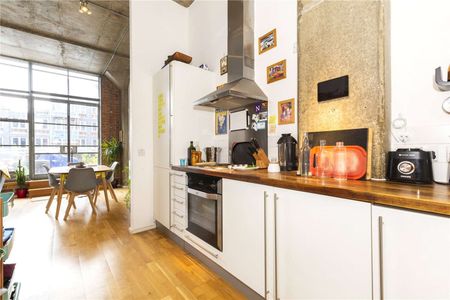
105 189
61 191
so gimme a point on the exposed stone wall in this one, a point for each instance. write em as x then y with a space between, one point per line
338 38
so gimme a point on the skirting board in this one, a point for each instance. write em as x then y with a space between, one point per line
137 230
233 281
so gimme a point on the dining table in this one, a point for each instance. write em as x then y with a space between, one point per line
99 170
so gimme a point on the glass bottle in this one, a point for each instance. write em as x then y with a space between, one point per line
189 153
340 162
304 156
322 161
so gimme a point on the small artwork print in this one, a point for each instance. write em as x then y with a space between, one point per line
267 41
221 122
224 65
276 72
286 112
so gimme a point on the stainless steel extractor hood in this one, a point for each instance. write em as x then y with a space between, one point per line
241 88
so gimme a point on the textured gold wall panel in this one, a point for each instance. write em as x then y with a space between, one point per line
338 38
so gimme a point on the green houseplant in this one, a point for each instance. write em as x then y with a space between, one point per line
21 181
111 150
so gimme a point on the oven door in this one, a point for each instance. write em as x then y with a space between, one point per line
205 217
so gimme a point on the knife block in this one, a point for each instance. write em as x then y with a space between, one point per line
262 161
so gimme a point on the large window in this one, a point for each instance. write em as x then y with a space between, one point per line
48 116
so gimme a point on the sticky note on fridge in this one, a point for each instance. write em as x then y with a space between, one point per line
239 120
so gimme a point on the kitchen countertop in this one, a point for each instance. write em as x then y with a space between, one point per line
432 198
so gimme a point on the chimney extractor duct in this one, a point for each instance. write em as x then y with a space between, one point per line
241 89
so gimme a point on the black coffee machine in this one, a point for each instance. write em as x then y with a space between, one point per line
287 152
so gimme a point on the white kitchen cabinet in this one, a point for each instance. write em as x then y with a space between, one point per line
243 232
178 203
323 247
414 249
161 196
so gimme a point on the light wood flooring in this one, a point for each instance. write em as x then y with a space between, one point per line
94 257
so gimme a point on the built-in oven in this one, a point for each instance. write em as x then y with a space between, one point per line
204 197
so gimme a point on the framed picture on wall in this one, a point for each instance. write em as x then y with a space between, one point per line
277 71
286 112
221 122
224 65
267 41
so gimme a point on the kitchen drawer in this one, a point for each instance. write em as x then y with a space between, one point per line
179 203
178 230
179 217
178 190
178 177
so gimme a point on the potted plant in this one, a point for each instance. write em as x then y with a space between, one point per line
111 152
21 181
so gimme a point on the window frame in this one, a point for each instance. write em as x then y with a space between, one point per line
67 99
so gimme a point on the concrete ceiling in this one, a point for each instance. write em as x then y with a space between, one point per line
54 32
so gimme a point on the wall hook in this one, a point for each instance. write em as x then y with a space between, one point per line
441 85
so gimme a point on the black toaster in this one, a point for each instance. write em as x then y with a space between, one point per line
410 165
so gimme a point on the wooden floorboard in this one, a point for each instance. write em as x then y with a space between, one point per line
95 257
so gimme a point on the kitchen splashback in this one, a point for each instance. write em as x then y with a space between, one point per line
351 43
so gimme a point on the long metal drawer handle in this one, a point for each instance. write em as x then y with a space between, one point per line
177 214
175 226
380 249
266 291
177 188
275 199
175 174
203 248
178 201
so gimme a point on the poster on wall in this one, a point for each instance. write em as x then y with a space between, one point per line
272 124
277 71
221 122
286 112
267 41
161 116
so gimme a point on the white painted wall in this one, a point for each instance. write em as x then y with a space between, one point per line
419 43
282 15
208 43
157 29
208 32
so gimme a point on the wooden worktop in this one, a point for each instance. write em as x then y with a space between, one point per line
432 198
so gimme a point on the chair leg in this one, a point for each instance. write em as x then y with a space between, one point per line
50 200
74 206
91 200
111 191
69 205
105 190
96 194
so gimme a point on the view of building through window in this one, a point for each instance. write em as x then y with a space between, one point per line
48 116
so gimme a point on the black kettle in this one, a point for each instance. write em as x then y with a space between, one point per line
287 152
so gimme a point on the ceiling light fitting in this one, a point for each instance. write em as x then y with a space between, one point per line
84 7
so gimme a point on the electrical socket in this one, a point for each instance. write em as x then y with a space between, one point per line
404 137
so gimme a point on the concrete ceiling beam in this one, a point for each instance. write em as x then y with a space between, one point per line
17 27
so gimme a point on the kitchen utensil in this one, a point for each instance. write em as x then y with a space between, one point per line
287 152
183 162
262 161
410 165
356 161
212 154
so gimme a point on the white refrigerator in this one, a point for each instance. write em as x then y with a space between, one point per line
176 123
